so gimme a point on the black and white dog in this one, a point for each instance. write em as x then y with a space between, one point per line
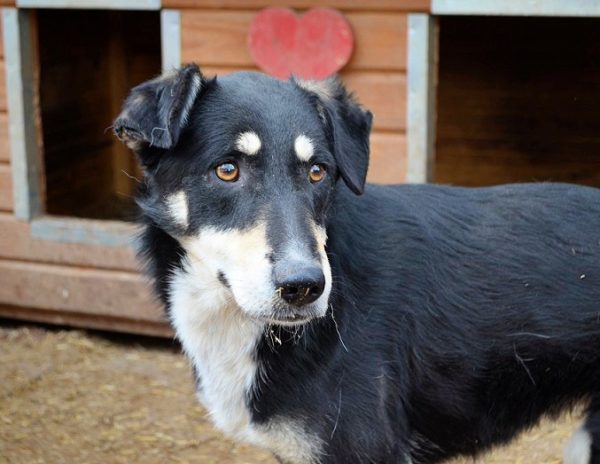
409 324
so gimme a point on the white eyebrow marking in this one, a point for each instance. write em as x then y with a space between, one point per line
178 208
248 143
303 147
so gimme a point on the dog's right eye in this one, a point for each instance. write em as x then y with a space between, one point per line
228 172
317 173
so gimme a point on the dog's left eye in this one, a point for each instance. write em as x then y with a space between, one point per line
317 173
228 172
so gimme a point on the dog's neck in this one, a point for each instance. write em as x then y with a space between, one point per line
220 341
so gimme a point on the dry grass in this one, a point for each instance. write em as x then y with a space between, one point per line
72 396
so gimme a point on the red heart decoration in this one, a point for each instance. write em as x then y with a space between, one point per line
312 46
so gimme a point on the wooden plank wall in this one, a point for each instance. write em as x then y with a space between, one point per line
518 100
71 283
217 40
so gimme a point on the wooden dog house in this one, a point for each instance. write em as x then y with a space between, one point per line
469 92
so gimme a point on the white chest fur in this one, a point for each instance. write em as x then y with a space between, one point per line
221 341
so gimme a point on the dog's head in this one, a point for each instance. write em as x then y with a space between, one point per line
241 171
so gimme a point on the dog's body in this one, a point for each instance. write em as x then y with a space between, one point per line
442 320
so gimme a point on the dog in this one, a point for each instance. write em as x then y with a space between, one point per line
331 321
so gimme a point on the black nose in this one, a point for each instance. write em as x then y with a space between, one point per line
300 285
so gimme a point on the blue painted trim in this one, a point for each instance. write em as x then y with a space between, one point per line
85 231
572 8
420 105
22 133
170 36
92 4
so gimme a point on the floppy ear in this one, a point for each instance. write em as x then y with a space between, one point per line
350 127
155 112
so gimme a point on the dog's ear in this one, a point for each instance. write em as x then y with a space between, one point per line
349 126
155 112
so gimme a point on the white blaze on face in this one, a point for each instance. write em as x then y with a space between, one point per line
321 238
248 143
303 147
177 205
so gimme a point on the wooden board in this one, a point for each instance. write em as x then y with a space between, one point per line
4 142
378 5
87 321
17 243
219 38
6 188
388 158
77 289
383 93
380 41
201 31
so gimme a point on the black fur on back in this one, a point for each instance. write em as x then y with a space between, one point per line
458 317
463 316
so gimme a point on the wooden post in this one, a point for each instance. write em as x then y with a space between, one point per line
19 49
170 35
421 82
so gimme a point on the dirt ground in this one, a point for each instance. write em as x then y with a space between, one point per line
69 396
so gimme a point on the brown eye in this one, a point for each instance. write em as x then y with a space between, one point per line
228 172
317 173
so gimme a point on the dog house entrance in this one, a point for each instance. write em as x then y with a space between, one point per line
518 100
88 61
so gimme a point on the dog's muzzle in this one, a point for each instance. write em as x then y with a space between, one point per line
299 284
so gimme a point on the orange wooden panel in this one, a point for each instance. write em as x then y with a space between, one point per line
215 37
4 144
17 243
76 289
384 94
211 71
219 38
159 329
380 41
378 5
6 188
388 158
